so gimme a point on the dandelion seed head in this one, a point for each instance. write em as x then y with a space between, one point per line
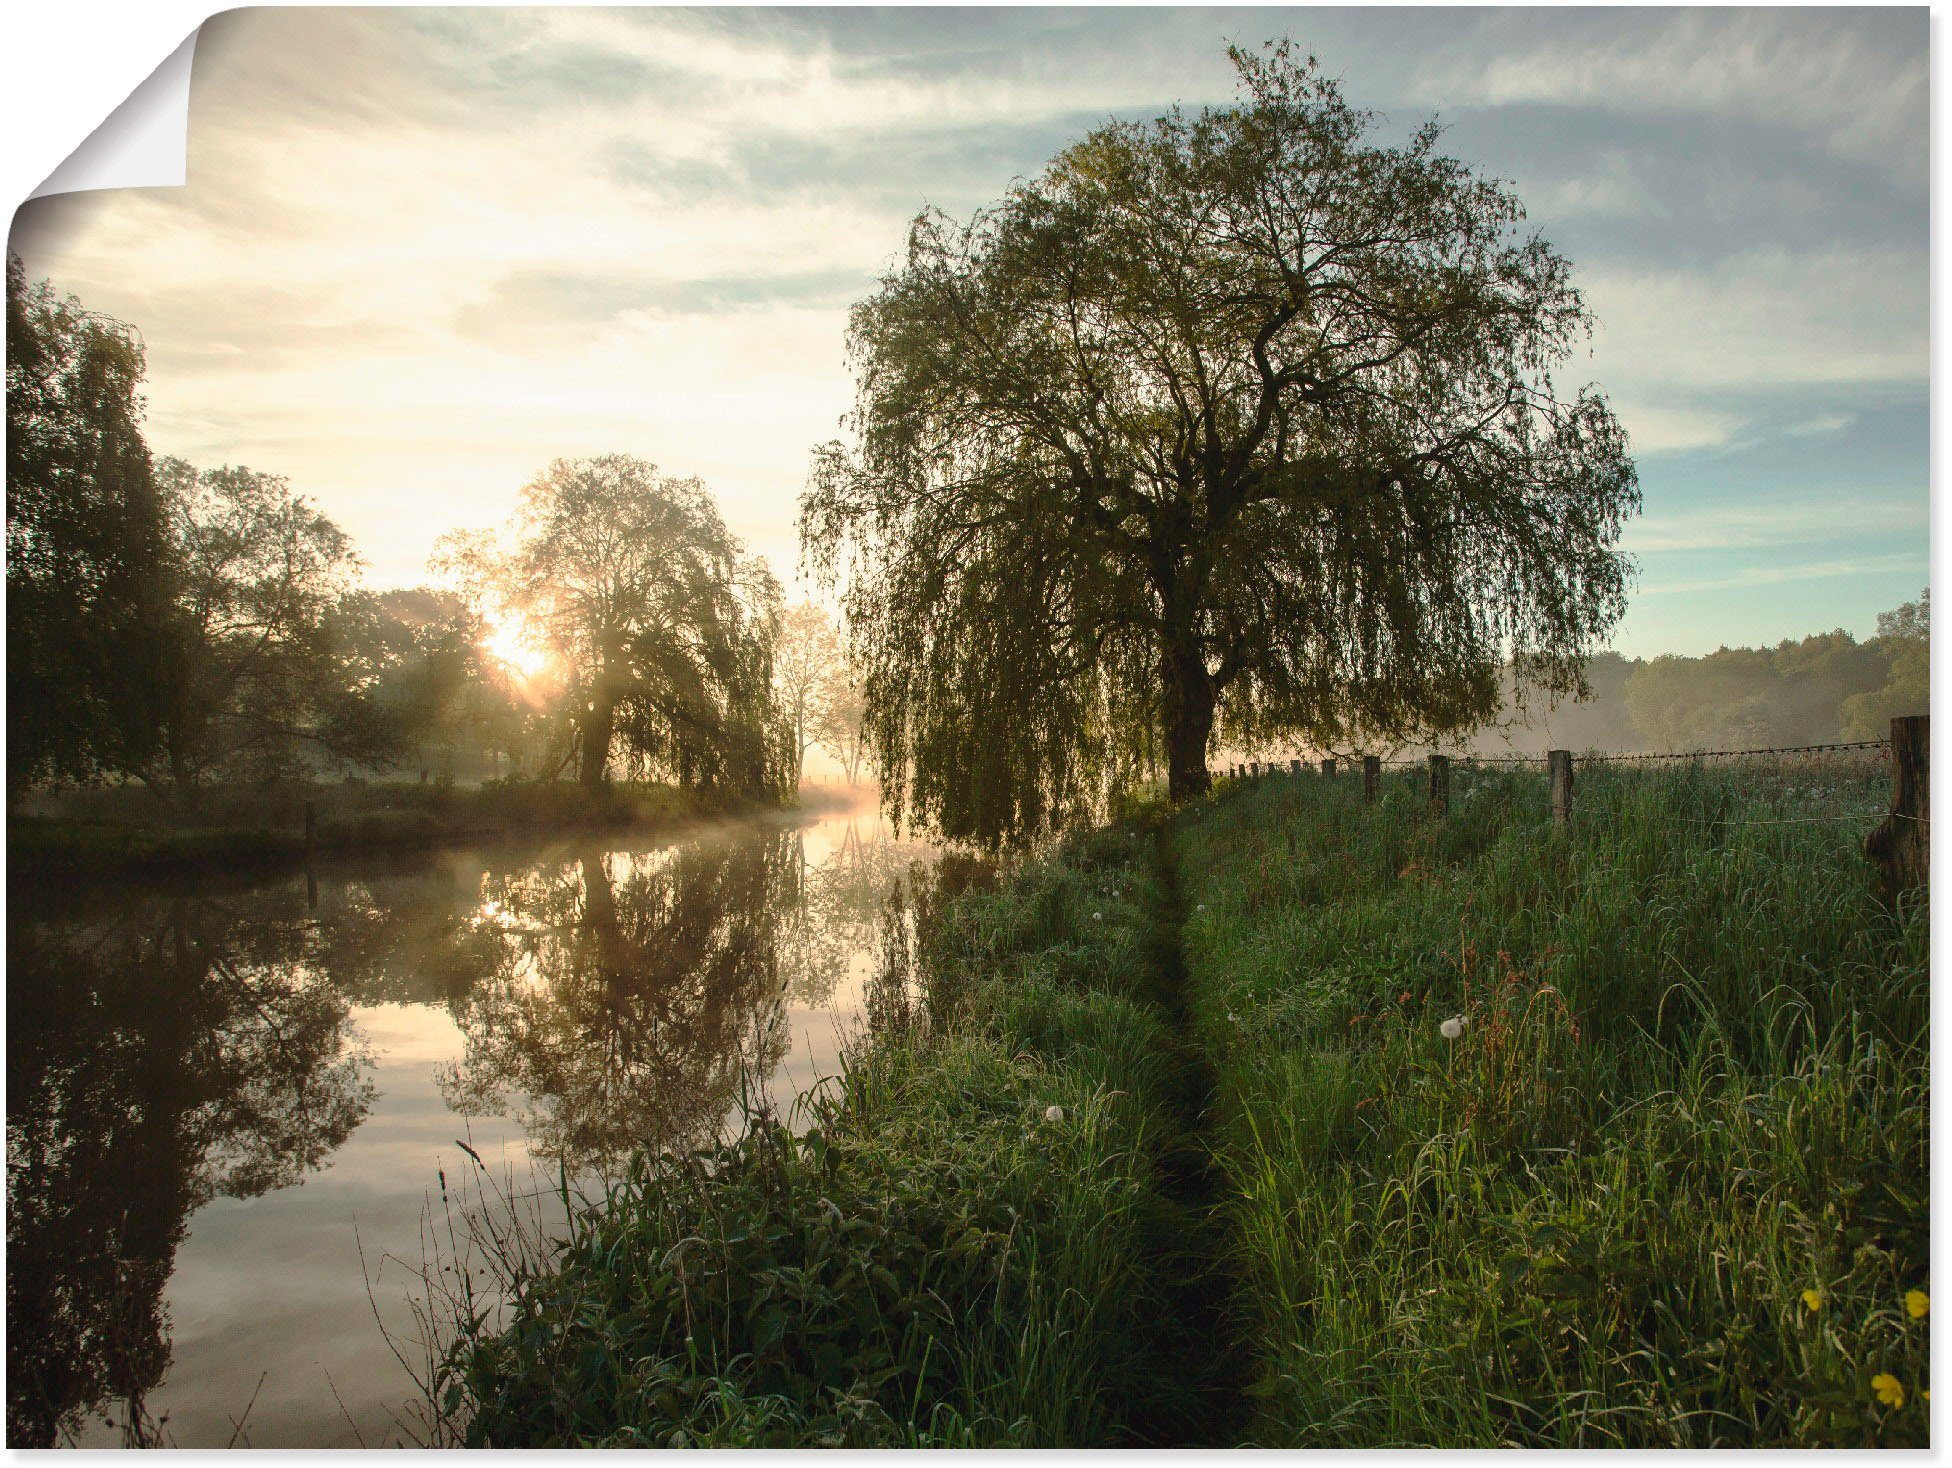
1053 1113
1452 1028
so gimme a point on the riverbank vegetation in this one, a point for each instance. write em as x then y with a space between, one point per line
963 1241
1397 1129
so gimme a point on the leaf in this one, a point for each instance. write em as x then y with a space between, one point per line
766 1335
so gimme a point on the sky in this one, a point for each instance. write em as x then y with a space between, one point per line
421 253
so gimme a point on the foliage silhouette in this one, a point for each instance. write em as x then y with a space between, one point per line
85 536
663 628
1242 420
158 1056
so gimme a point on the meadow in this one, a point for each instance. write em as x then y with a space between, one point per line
1293 1119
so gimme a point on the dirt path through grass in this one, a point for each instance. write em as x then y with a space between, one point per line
1202 1341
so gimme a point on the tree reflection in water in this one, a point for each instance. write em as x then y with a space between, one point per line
176 1051
630 994
635 993
166 1051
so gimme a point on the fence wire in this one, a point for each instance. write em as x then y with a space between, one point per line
1464 764
1882 748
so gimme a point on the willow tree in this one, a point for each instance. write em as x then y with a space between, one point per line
1242 419
662 628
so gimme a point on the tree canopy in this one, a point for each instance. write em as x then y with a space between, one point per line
1242 418
180 626
663 626
258 674
85 540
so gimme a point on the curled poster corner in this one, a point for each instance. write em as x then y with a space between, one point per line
144 143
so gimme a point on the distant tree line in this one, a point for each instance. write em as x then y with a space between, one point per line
178 627
1822 689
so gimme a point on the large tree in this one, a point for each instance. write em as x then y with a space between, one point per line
1244 417
86 562
663 628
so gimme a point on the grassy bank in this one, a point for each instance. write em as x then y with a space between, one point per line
967 1246
266 829
1301 1121
1669 1184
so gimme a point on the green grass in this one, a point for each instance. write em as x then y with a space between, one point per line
1278 1205
1693 1084
940 1258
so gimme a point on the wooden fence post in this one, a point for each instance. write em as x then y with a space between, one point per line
1372 776
1901 848
1440 782
1328 767
1294 767
1558 769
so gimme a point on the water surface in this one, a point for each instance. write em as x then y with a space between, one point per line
232 1109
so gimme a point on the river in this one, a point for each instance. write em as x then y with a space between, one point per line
232 1109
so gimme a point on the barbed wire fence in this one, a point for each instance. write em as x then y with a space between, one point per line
1899 845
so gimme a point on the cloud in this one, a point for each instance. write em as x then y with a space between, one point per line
1766 522
1654 429
1763 318
1821 423
424 251
1757 576
1862 89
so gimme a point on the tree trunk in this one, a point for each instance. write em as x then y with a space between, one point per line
593 756
799 738
1188 708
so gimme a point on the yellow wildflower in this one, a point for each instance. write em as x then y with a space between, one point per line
1813 1299
1888 1389
1917 1302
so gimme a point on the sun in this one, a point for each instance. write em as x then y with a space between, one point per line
511 641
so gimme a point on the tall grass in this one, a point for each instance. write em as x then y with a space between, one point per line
1668 1185
1307 1122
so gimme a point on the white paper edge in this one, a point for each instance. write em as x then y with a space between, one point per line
142 144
